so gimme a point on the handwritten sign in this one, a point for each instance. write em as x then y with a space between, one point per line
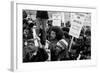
87 21
77 22
56 19
33 17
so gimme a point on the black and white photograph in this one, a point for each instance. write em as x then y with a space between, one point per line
52 36
55 36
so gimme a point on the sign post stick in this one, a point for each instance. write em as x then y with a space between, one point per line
71 43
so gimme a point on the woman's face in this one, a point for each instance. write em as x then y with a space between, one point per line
52 35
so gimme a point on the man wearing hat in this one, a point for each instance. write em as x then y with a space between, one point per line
41 20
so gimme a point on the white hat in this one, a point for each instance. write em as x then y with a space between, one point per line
62 43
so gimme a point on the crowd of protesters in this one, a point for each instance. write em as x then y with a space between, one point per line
53 41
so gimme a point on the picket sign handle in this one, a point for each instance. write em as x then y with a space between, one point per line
71 44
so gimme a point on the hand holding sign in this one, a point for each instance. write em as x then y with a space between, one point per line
77 22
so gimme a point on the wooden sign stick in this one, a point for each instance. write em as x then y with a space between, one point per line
71 44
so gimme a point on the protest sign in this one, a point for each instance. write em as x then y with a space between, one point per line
77 22
56 19
87 20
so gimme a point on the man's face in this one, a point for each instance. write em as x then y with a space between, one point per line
52 35
42 22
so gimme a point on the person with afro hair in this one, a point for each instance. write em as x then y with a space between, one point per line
56 34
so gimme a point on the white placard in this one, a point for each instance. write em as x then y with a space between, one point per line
77 21
56 19
87 21
33 17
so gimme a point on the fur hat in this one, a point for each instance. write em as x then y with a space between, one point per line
42 14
